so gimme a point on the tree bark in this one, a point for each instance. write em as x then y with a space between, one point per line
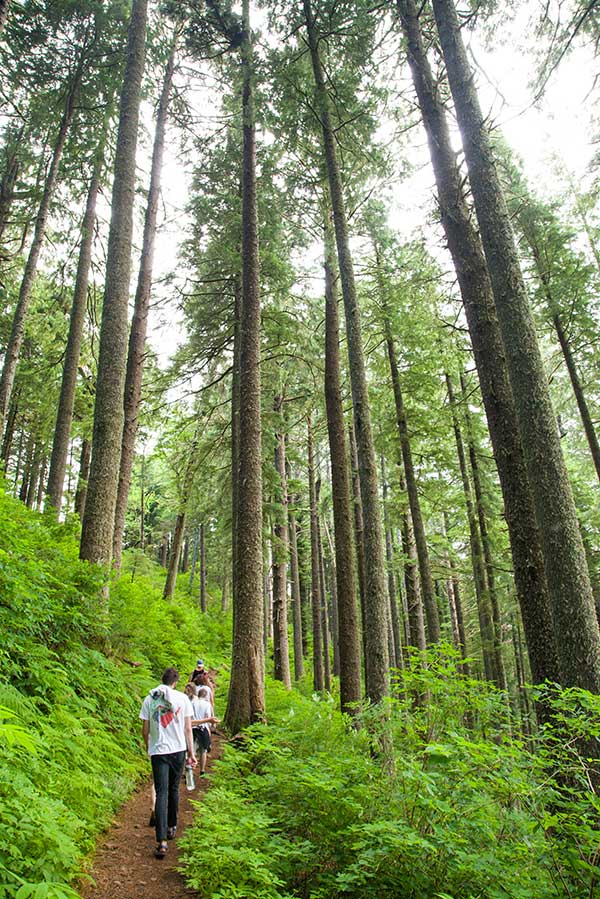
416 623
347 612
485 544
202 563
484 610
84 471
9 431
174 557
66 402
99 516
395 657
139 324
296 596
475 286
246 702
569 588
376 662
13 348
281 655
358 540
323 596
427 591
315 572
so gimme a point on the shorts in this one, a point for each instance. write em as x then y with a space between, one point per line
201 738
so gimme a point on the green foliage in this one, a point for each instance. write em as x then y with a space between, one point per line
71 687
307 806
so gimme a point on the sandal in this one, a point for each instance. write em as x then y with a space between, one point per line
161 850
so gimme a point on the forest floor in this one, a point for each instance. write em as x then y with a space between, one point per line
124 866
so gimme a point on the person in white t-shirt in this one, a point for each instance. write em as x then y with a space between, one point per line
166 716
204 716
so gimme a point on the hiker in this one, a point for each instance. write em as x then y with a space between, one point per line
203 680
204 716
166 716
199 669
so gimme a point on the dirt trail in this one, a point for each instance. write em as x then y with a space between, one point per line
124 866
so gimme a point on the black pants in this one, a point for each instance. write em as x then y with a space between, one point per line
166 771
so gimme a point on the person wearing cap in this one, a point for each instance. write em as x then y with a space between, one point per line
199 669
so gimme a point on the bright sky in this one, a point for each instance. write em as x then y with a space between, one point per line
560 126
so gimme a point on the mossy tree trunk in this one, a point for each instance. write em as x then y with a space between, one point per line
99 516
476 291
246 702
376 662
568 582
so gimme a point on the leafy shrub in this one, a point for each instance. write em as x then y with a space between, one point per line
309 807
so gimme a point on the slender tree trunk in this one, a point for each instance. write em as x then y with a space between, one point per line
348 634
416 623
10 175
235 436
427 592
246 692
143 504
27 468
194 558
34 477
41 481
139 324
569 588
396 656
296 596
281 655
99 516
66 402
484 611
10 429
174 557
485 543
376 662
322 593
4 4
358 537
202 560
315 591
185 559
225 590
457 603
13 348
476 291
84 471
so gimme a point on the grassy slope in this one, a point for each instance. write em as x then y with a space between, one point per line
66 674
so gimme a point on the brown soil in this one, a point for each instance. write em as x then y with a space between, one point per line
124 866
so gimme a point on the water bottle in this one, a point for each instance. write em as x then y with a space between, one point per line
189 777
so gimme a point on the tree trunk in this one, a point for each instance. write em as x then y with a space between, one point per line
84 471
139 324
66 402
358 540
34 476
99 516
281 655
476 291
347 612
484 611
4 4
246 702
10 429
296 596
13 348
427 592
174 557
185 558
396 656
323 596
194 558
315 573
569 588
202 560
376 662
10 175
485 544
416 624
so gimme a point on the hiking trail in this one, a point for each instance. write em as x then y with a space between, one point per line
124 867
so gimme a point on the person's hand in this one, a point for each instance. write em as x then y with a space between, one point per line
191 759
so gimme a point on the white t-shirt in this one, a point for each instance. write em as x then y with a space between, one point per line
202 709
166 710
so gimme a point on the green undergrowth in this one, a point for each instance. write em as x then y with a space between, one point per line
306 806
73 673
